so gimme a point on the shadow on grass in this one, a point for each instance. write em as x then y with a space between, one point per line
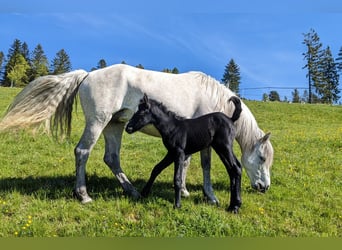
61 187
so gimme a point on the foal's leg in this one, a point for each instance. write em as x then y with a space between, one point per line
113 135
207 186
164 163
177 178
90 136
233 168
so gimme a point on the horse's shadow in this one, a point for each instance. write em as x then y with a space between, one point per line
107 188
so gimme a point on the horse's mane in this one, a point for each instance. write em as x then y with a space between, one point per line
248 131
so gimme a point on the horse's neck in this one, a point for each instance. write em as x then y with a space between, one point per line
247 130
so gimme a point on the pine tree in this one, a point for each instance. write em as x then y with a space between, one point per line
327 87
24 50
101 64
231 77
17 74
265 97
140 66
61 63
295 96
339 60
175 71
274 96
12 56
312 57
2 57
39 63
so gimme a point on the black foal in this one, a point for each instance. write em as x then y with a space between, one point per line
183 137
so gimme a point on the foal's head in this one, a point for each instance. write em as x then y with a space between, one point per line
142 117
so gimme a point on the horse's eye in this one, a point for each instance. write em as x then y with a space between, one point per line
262 158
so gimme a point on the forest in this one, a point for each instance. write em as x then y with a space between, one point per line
20 66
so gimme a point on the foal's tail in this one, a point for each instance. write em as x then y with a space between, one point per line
238 109
41 100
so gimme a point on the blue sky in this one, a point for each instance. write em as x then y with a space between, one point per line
263 37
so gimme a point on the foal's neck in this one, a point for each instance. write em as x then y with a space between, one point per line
164 121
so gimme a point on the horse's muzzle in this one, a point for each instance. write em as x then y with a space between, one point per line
261 188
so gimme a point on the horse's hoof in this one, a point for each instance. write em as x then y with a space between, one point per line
214 202
86 200
83 198
185 193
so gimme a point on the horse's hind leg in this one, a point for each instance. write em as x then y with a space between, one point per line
186 163
113 135
207 186
90 136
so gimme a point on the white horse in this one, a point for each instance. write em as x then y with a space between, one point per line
110 96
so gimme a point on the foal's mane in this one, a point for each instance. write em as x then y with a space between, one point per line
164 109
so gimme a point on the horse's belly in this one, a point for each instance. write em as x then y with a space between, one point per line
150 130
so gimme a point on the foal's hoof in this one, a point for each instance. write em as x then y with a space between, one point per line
233 209
175 206
136 195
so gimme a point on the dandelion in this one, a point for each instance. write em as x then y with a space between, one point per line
261 210
16 233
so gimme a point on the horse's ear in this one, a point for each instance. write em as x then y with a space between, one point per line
265 137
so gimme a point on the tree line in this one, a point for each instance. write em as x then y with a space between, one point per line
322 74
21 66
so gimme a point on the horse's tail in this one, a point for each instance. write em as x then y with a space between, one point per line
46 98
238 109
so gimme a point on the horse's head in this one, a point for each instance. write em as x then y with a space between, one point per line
258 162
141 117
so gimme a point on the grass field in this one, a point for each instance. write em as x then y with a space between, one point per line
305 199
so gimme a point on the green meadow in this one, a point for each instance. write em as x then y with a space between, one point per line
37 177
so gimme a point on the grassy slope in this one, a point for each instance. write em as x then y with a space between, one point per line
37 178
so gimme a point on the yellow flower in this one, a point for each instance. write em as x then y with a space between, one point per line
16 233
261 210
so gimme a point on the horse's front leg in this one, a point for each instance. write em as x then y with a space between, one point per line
164 163
207 186
113 136
186 163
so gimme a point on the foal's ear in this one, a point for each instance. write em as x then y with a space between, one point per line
145 98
